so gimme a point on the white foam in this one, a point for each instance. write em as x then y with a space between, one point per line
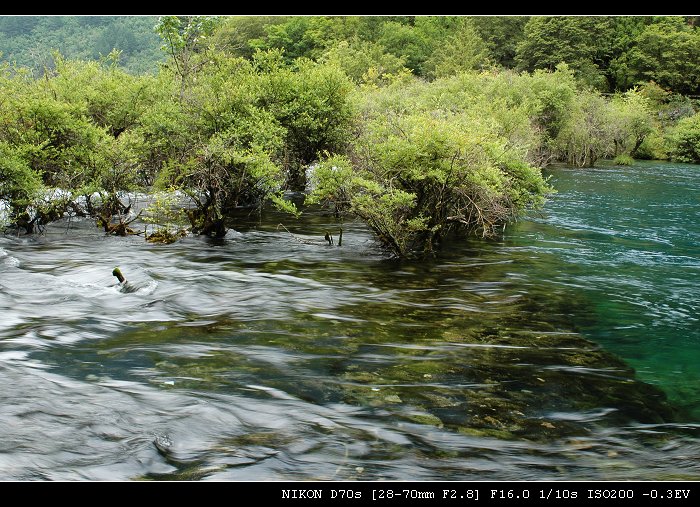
148 289
8 260
13 355
232 234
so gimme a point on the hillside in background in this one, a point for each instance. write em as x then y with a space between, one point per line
29 40
608 53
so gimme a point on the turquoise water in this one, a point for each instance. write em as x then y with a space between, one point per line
566 350
627 241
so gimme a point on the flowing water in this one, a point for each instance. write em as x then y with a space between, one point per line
567 350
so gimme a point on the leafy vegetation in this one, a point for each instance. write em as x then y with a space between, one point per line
427 128
685 140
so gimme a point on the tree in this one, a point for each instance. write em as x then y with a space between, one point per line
241 35
429 163
81 37
364 62
115 36
219 147
463 50
630 122
407 42
312 103
17 25
580 42
228 175
667 52
615 61
184 40
502 34
585 136
19 183
298 36
685 140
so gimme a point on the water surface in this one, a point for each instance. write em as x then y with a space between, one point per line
566 350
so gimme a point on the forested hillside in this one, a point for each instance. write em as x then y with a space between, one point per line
612 53
29 40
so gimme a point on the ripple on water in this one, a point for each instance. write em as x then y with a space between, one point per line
264 357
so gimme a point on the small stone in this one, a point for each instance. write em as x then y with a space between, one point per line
163 443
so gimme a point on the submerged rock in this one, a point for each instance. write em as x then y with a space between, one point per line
515 385
165 236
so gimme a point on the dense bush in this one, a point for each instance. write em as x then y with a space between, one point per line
310 101
428 164
684 140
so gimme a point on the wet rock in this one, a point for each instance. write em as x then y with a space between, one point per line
164 444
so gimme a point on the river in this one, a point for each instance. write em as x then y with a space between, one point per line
568 349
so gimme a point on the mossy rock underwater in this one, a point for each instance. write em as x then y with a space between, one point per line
537 387
163 236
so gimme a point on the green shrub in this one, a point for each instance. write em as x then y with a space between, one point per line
684 140
653 147
416 178
623 159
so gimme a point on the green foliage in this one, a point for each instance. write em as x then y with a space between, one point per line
364 61
611 53
73 129
501 34
667 52
282 204
185 41
684 140
528 110
623 159
629 122
167 215
240 35
228 173
111 97
576 41
585 138
59 144
653 147
418 174
184 34
17 25
462 51
553 95
407 42
615 59
116 36
299 36
312 103
333 181
407 121
18 182
675 108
